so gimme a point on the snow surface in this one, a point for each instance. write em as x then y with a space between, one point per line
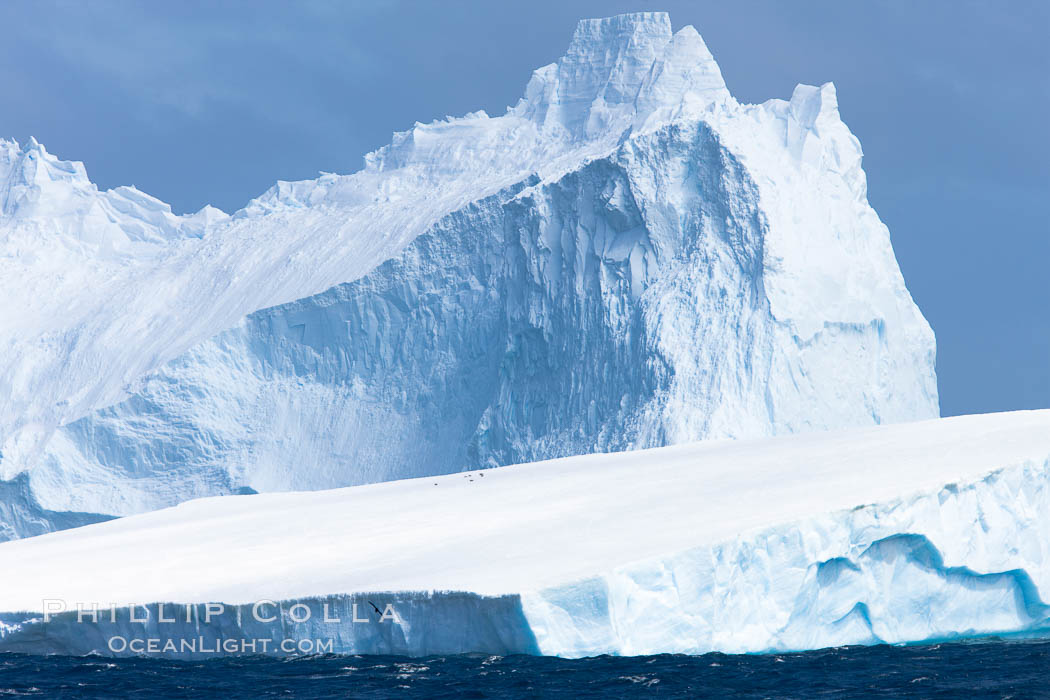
627 258
927 530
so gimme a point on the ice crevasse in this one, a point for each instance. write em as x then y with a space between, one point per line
627 258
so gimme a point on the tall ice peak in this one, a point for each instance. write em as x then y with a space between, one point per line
619 73
620 70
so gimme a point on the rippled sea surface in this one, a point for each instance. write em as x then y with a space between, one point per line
986 669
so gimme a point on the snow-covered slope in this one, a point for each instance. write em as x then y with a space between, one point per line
927 530
627 258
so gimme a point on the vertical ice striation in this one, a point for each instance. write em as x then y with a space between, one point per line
627 258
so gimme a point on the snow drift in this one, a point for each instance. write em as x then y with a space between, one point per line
627 258
923 531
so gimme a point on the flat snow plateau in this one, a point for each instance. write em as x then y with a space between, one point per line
926 530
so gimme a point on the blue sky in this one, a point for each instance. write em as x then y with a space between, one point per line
205 102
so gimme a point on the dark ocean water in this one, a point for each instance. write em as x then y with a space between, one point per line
987 669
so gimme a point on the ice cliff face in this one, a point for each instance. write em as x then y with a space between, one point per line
893 572
627 258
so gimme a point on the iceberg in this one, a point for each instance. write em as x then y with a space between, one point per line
930 530
627 258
